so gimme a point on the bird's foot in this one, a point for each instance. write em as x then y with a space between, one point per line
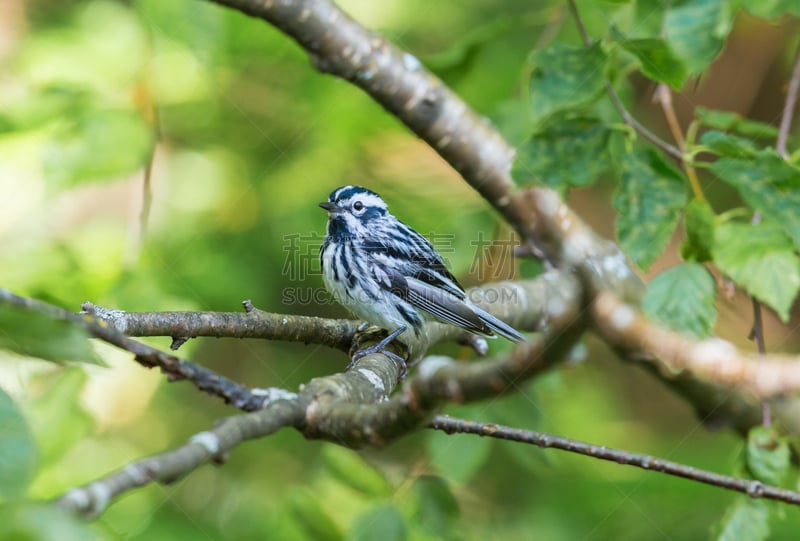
380 347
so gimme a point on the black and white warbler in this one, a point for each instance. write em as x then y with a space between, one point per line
391 276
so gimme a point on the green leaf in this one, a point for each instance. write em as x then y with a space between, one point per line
305 507
382 522
725 144
648 200
696 31
768 455
657 59
42 522
435 507
760 259
352 470
698 220
101 144
18 455
35 334
730 121
746 520
458 457
682 297
768 184
568 153
771 9
565 78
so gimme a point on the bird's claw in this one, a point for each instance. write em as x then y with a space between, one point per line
380 347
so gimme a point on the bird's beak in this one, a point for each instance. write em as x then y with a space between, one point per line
330 207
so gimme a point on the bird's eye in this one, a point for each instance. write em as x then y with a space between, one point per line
358 205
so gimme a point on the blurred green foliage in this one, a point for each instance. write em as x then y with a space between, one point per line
245 137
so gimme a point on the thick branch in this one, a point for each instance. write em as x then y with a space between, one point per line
712 359
754 489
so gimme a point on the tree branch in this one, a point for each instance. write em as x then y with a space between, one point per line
712 359
340 46
334 333
280 410
332 407
753 488
177 369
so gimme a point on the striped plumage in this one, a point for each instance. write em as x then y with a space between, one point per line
388 274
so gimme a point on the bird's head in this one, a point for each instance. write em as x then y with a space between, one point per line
351 210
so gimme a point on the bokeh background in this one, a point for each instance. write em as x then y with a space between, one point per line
238 138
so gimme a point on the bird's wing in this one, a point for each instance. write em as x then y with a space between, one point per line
411 254
439 303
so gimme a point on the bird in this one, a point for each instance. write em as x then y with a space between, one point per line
389 275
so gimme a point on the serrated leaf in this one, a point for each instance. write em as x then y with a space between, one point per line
761 259
696 31
568 153
746 520
682 297
35 334
768 455
311 517
99 145
18 454
648 200
458 457
725 144
352 470
730 121
698 220
434 507
768 184
42 522
658 61
565 78
382 522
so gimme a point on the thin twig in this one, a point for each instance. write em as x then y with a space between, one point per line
627 118
757 332
757 335
788 108
177 369
663 95
752 488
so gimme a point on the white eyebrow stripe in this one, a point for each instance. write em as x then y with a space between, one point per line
370 200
